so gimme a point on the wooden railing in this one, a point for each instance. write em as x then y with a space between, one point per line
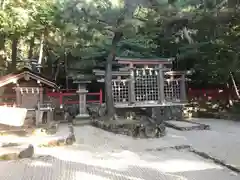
72 97
8 100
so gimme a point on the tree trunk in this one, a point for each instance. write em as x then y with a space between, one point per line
2 49
2 59
41 49
108 76
14 53
31 46
230 101
235 85
57 69
2 4
66 68
49 70
187 35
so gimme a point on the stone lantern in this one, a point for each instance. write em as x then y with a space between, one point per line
82 91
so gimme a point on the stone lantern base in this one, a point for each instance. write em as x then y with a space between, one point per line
82 116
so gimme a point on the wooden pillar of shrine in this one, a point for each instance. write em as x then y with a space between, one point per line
183 96
160 77
41 95
131 88
18 96
38 118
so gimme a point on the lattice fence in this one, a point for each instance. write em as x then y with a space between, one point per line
172 90
120 91
146 86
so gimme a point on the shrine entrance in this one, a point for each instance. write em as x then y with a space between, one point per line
29 97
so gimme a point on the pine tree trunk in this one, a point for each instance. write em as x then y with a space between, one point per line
108 76
14 53
66 68
31 46
230 101
235 85
2 49
2 59
2 4
41 49
57 69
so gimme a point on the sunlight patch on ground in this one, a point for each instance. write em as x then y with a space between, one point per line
85 176
181 165
176 136
40 164
166 161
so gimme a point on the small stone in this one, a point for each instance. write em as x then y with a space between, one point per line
27 153
70 139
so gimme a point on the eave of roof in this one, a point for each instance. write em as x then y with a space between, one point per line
124 60
10 78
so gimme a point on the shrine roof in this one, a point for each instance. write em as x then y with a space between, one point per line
13 77
124 60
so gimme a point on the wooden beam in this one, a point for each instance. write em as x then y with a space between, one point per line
145 60
175 73
114 73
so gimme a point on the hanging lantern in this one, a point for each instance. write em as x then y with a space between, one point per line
21 90
32 90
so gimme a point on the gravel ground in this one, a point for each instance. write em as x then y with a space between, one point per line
222 141
100 155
